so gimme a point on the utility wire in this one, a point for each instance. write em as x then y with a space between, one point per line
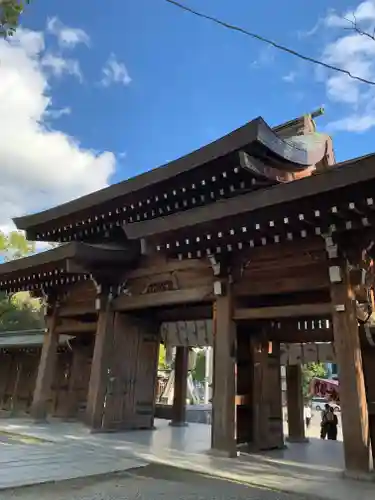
270 42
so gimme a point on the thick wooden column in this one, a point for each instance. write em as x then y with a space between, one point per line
223 431
260 389
353 402
99 376
79 362
296 424
180 387
46 368
368 359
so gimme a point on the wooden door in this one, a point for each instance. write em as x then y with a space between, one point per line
119 399
130 394
147 367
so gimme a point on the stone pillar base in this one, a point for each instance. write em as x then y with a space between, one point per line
40 420
359 476
291 439
178 424
223 453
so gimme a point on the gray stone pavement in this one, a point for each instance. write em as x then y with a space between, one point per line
71 451
150 483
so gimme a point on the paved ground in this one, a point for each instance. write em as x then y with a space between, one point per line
150 483
68 450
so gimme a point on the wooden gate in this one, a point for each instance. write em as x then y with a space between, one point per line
131 382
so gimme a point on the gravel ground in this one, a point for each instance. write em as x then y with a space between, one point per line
154 482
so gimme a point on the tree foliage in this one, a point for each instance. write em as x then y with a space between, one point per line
14 245
18 311
162 365
310 371
10 11
199 372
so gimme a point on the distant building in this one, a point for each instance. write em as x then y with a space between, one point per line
331 370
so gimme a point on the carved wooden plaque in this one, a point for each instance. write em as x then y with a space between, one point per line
160 286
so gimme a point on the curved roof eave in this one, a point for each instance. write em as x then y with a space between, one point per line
216 149
231 142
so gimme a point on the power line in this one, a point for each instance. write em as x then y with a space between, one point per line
269 42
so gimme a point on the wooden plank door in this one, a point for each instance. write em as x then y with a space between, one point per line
147 367
119 410
276 434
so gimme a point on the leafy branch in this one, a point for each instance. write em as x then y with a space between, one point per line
10 11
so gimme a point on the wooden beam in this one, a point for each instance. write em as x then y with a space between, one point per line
173 297
290 336
168 266
69 311
187 313
313 278
298 311
73 327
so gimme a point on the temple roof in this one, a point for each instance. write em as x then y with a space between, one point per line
343 175
256 138
66 263
27 338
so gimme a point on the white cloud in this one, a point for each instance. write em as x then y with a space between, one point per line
266 56
115 72
290 77
40 166
353 123
59 65
355 53
57 113
67 37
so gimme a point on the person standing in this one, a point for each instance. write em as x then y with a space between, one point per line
324 421
307 414
332 423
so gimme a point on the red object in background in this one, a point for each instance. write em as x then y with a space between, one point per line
322 388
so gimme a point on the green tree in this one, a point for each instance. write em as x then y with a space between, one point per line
162 363
14 245
199 371
18 311
310 371
10 12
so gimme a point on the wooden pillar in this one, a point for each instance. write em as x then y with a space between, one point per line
180 387
295 405
79 362
260 388
368 359
46 368
223 431
99 376
16 387
274 394
355 422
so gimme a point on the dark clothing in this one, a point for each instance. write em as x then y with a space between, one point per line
332 429
324 425
307 421
323 430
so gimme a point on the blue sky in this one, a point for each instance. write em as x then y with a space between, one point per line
175 82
